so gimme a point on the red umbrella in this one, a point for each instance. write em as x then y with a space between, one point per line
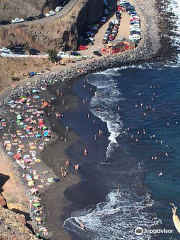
17 156
41 122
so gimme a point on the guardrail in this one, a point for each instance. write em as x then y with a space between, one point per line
22 56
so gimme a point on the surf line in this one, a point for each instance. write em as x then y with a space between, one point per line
175 218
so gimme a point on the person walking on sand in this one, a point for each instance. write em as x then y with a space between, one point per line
67 163
64 173
82 225
85 152
67 129
100 132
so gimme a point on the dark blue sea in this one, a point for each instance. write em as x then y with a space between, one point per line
132 173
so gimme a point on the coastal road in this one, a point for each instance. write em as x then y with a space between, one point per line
66 9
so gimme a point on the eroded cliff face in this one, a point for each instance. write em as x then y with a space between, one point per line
25 8
90 13
60 34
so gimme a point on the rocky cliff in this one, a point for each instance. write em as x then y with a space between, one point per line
13 226
25 8
60 33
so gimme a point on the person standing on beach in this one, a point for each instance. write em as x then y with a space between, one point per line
85 152
67 163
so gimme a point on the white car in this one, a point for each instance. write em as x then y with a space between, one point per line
5 50
134 26
62 55
103 19
58 9
51 13
117 21
134 37
17 20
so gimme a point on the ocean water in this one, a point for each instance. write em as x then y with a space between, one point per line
147 125
134 169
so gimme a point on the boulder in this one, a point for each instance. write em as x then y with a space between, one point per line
3 202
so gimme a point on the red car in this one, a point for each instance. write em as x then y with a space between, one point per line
81 47
119 8
111 37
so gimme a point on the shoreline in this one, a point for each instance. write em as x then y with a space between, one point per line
132 57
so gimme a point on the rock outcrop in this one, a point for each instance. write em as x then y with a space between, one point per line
12 226
3 202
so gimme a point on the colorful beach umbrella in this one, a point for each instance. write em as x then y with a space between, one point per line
38 135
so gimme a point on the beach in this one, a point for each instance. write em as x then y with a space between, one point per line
48 102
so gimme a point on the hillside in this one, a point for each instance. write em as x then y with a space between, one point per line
12 226
24 8
59 33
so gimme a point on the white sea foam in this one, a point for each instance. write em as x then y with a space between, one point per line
116 218
174 7
104 104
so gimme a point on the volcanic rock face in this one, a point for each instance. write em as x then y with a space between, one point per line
12 226
25 8
60 33
3 202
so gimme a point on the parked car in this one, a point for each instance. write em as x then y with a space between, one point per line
89 34
4 22
90 42
104 41
117 21
17 20
51 13
40 16
93 27
5 50
17 50
58 9
103 19
76 54
33 51
62 55
29 19
106 11
97 53
81 47
134 37
64 3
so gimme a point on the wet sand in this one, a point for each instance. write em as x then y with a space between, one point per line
54 156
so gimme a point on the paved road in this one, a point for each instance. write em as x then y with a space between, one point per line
66 9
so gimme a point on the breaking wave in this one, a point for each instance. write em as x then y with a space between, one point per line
116 218
105 103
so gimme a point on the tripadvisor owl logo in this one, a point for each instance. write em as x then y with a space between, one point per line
139 231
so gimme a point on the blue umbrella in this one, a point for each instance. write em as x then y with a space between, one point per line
36 97
46 133
34 91
38 135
